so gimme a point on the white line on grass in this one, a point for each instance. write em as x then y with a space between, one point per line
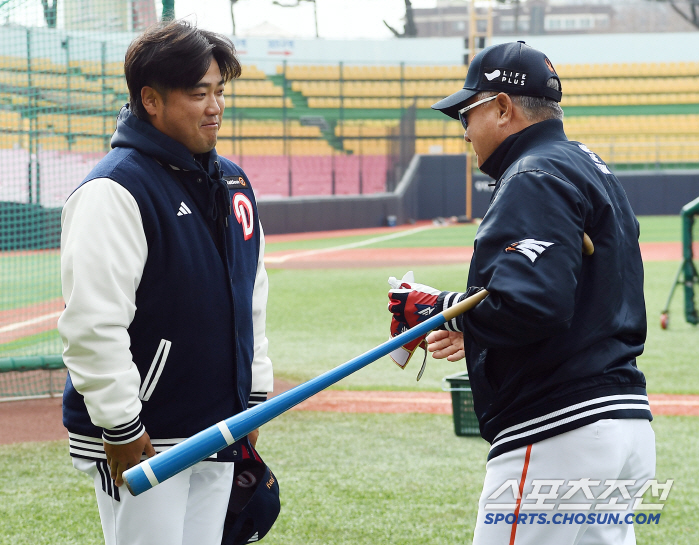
38 319
367 242
344 399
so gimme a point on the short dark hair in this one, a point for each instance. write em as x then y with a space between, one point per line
175 55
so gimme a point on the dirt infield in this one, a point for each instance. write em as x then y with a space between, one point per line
330 258
25 321
40 419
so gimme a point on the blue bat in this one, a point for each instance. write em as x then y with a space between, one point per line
155 470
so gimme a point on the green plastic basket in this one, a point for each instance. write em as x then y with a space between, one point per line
465 421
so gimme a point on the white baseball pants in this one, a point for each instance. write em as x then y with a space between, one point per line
618 455
187 509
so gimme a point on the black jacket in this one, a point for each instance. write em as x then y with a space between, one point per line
554 345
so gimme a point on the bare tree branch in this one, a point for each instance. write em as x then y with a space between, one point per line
395 32
409 29
692 18
233 3
50 12
298 3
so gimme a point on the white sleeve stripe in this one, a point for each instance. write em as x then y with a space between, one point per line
127 425
450 300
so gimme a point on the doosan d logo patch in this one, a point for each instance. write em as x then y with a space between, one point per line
243 213
529 248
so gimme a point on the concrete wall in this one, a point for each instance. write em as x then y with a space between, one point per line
661 192
434 186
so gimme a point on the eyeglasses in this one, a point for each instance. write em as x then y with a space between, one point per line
462 111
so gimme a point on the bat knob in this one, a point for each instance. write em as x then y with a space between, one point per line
588 248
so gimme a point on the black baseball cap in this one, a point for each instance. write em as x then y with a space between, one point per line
254 503
513 68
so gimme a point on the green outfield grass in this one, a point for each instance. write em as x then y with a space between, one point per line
653 229
44 343
28 277
318 319
345 479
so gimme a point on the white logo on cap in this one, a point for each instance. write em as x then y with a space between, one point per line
492 75
513 78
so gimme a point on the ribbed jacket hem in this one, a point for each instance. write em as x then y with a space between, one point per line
575 416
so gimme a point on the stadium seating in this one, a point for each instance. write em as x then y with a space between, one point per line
101 85
273 146
394 87
379 73
70 109
265 137
262 87
634 70
312 175
266 128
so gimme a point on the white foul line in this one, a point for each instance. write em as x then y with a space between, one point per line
38 319
367 242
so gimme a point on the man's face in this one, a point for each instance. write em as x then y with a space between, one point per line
483 131
192 116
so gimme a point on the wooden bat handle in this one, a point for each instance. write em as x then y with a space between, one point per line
588 248
463 306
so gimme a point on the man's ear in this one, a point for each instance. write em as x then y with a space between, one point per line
505 108
152 100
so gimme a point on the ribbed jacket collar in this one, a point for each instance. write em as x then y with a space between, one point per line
516 145
132 132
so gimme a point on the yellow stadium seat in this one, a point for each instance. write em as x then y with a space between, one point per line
8 62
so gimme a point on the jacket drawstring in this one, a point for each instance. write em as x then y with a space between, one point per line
219 203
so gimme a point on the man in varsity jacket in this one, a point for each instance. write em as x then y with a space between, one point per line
551 351
165 290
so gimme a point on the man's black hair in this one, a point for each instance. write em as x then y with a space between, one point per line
175 55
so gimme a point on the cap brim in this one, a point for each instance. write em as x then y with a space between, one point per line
453 103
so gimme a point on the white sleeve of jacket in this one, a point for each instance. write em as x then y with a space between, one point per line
262 376
103 253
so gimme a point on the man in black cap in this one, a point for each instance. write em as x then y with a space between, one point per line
551 351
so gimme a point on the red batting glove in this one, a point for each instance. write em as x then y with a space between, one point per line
410 304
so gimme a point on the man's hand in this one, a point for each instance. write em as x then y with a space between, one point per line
410 304
252 437
122 457
446 344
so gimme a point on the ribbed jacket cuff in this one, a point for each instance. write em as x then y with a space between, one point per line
256 398
448 299
126 433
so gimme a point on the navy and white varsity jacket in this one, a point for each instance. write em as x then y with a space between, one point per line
554 345
165 292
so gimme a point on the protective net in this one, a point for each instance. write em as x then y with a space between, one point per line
61 87
18 385
59 90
